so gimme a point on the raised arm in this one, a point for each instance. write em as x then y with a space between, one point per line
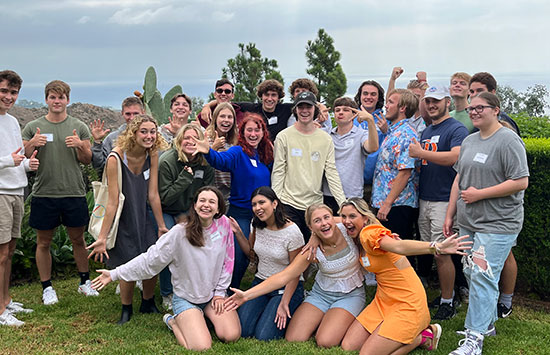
395 74
451 245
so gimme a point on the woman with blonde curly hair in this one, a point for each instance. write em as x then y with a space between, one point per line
137 148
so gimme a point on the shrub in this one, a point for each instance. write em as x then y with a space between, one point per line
533 249
532 127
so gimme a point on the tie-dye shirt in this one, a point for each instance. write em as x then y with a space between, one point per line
394 156
198 273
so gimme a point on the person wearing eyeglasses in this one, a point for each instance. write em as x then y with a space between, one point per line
487 199
223 92
438 151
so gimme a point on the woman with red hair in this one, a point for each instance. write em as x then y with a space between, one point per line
249 163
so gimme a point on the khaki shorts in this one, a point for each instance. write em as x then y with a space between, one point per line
431 218
12 207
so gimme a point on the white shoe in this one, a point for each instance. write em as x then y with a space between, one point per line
167 302
49 296
370 279
7 318
167 318
86 289
16 307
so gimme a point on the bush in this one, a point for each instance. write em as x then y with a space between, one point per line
532 127
533 249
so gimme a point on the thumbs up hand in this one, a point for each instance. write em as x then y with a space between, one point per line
33 162
17 158
38 140
73 141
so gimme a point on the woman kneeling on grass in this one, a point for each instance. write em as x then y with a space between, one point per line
276 241
337 296
199 254
397 320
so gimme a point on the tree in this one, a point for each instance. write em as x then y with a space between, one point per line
248 69
197 103
322 59
533 101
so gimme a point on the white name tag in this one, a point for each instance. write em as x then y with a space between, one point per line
49 137
434 139
272 120
199 174
481 158
365 261
348 143
296 152
254 163
146 174
215 236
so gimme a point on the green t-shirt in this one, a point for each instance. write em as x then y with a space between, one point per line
59 173
464 118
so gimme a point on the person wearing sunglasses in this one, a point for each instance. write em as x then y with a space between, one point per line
223 92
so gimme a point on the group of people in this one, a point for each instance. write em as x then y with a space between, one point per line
257 181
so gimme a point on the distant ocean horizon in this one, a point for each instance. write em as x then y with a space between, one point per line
111 94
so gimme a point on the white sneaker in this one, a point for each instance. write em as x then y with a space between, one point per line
16 307
472 344
370 279
7 318
86 289
49 296
167 302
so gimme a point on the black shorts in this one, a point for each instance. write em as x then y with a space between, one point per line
47 213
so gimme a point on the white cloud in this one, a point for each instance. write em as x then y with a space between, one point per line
84 20
219 16
166 14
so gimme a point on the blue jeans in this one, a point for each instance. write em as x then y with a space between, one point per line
257 316
243 216
482 268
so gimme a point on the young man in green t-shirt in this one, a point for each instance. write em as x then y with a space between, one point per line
59 192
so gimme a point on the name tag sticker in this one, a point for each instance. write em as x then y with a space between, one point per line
481 158
199 174
296 152
365 261
49 137
434 139
348 143
146 174
254 163
272 120
215 236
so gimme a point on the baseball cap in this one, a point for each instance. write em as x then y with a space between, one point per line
305 97
437 92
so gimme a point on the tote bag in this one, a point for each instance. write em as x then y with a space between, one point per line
101 197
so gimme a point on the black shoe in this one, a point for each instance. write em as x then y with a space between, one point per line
435 303
444 312
503 311
148 306
126 314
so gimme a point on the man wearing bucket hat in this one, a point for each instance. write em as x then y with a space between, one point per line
303 154
438 151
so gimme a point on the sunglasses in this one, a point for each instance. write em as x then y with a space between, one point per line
225 91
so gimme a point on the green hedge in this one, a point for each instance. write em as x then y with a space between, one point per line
533 249
532 127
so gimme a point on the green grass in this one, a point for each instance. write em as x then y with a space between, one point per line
78 324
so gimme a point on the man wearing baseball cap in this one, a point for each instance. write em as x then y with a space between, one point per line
303 154
438 151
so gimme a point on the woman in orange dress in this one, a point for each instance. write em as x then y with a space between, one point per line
397 320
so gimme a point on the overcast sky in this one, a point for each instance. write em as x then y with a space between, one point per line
103 47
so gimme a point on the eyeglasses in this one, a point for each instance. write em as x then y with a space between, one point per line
478 108
225 91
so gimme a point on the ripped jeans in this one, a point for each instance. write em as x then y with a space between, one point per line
482 268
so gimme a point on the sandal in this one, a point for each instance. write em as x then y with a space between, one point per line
432 333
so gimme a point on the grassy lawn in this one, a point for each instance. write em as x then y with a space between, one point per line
78 324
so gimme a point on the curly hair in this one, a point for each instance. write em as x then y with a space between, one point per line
127 139
380 102
233 134
265 147
305 84
194 229
270 85
176 143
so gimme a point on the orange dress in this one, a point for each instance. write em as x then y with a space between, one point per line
400 300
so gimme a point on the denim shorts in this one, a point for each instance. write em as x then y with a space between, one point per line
353 302
180 305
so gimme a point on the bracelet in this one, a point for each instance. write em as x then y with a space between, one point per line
434 249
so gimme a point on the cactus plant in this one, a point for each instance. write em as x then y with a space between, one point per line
152 99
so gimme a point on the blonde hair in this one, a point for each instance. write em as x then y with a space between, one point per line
461 75
127 139
362 207
233 134
313 208
179 139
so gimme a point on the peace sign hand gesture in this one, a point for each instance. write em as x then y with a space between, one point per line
363 116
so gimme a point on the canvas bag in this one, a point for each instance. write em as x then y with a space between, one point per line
101 197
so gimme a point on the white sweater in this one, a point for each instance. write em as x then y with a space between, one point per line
12 178
198 273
